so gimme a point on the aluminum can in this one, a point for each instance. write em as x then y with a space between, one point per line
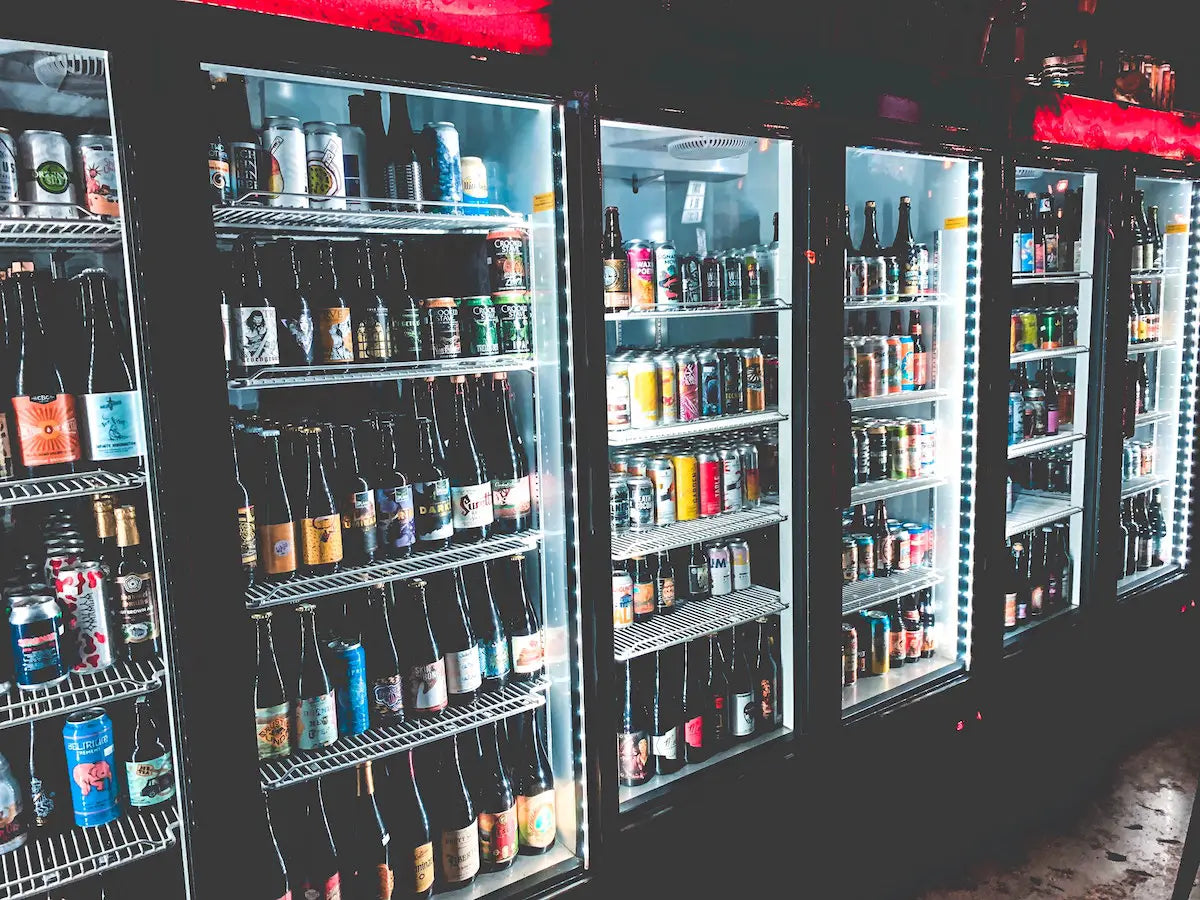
925 280
861 447
97 165
348 672
618 464
739 561
866 556
877 448
711 476
60 554
751 484
916 539
689 282
849 560
10 176
898 451
668 389
719 570
641 502
37 633
445 165
247 174
514 321
731 265
46 170
712 280
912 448
354 161
1050 329
507 260
928 448
666 269
1015 332
644 394
1131 463
480 332
92 764
876 275
753 380
1016 418
662 473
1147 458
879 651
622 597
1029 330
731 480
687 487
286 151
732 392
892 270
857 266
849 654
618 505
442 327
711 384
83 591
616 385
642 286
636 465
868 380
751 276
474 186
901 547
907 379
1070 323
849 367
892 363
687 368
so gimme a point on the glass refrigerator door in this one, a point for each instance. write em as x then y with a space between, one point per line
698 298
87 619
1159 383
910 378
1051 343
486 342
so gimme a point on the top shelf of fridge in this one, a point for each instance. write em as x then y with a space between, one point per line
57 226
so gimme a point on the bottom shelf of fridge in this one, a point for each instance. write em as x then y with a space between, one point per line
497 884
1139 579
871 689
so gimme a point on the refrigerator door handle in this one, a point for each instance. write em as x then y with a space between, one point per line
843 456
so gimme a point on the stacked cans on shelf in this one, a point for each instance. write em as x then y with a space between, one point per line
892 449
645 587
1138 459
911 544
54 175
1044 328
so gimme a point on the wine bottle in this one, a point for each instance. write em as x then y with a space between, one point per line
255 335
315 709
247 538
459 645
488 626
470 485
412 841
374 337
273 516
431 492
321 871
634 763
384 675
112 405
696 737
356 502
320 526
334 328
524 627
404 309
718 697
665 740
294 311
396 527
537 825
508 465
371 847
743 711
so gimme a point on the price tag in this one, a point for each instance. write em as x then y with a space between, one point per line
543 202
955 222
1177 228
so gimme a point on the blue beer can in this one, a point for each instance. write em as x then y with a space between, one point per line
37 632
1016 421
91 763
445 164
348 671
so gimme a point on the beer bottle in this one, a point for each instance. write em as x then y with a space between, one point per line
411 838
508 465
860 522
356 501
1041 214
403 310
666 715
149 773
1158 529
425 678
274 872
370 849
295 313
904 248
1052 574
255 335
105 519
664 583
635 765
869 245
470 485
1051 389
50 796
461 650
920 359
321 873
404 170
534 784
272 722
488 626
928 624
335 331
524 627
137 603
616 263
1023 550
695 739
395 522
1155 259
247 538
718 696
699 584
497 805
1141 524
384 675
896 654
766 676
882 538
320 526
1143 243
1050 227
847 242
273 516
315 709
457 845
112 405
47 427
374 337
910 622
744 709
431 492
1130 537
644 604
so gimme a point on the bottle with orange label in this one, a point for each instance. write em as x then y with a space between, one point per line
335 331
497 806
273 520
408 823
537 823
321 525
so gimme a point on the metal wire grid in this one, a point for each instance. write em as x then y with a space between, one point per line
864 594
907 301
714 425
54 861
1134 486
1033 511
1051 277
882 490
1151 347
696 619
304 376
82 690
904 398
680 534
32 490
764 306
1049 442
83 231
1024 356
305 587
1153 418
362 216
348 752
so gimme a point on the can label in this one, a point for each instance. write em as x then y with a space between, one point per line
510 498
277 547
218 170
687 488
316 721
617 392
98 166
472 505
720 578
431 500
528 653
641 278
350 692
243 163
494 657
474 182
37 652
47 429
633 751
644 395
374 336
387 699
321 540
136 610
506 261
447 163
689 391
460 853
498 836
744 714
731 483
395 524
326 175
622 590
666 295
112 425
150 781
425 688
335 335
289 167
536 822
711 478
667 390
84 593
255 341
10 179
463 673
710 389
643 598
513 315
482 334
272 730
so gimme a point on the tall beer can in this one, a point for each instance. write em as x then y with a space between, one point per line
662 473
751 486
642 287
348 668
643 392
326 168
666 267
285 151
687 487
91 760
475 186
616 383
247 173
354 160
753 379
445 165
687 369
711 478
83 590
37 631
668 389
719 568
739 552
98 174
689 282
10 176
46 174
731 480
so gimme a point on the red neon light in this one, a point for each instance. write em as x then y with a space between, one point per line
1105 125
512 26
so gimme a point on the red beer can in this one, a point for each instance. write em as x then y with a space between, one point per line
711 478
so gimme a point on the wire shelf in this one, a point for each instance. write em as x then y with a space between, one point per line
882 490
308 376
78 230
896 301
1025 356
1155 276
763 306
1046 442
362 216
1139 579
715 425
31 870
680 534
1152 418
1151 347
904 398
1036 510
1133 486
305 587
60 487
80 691
1023 278
694 619
349 751
864 594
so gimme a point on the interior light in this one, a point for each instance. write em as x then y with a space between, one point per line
1062 186
764 144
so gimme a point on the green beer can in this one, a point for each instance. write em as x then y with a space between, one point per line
515 318
481 335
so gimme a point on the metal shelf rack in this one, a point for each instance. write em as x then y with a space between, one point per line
887 488
62 487
864 594
714 425
353 373
80 691
1036 510
896 301
366 215
1151 347
904 398
1025 356
772 305
680 534
79 230
694 619
1023 278
1134 486
1046 442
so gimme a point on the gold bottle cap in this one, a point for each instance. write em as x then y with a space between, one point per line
127 529
106 518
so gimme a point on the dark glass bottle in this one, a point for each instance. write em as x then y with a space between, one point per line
255 333
296 328
470 485
247 537
666 743
374 336
320 525
385 679
321 877
112 406
276 527
425 399
488 625
272 719
523 625
870 246
664 583
533 782
403 308
766 678
48 791
904 248
277 884
457 825
459 646
334 343
616 263
356 502
699 583
314 709
136 601
635 765
882 540
412 838
718 696
508 465
697 726
395 525
370 850
425 675
743 713
1158 530
431 492
149 772
497 805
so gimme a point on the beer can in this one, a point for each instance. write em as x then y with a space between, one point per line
662 473
642 286
849 367
636 464
719 570
711 384
924 284
92 765
38 636
474 186
83 591
507 258
10 176
712 280
687 487
858 276
286 150
878 453
97 165
907 376
898 442
445 165
246 172
901 547
348 672
866 556
514 321
731 480
641 502
752 379
1029 330
644 395
687 368
895 381
751 484
60 554
861 449
868 377
1015 332
849 560
689 282
849 654
354 158
666 268
913 467
622 597
326 172
751 277
618 505
1132 461
617 464
442 332
891 287
731 265
1016 418
879 651
480 331
46 174
668 389
732 393
739 561
876 276
1147 458
711 478
928 448
916 539
616 384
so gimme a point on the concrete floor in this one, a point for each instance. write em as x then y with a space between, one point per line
1124 844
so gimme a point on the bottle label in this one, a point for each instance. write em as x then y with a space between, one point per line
699 582
277 548
332 889
766 699
536 823
720 721
321 540
6 453
136 609
1010 610
633 752
693 732
47 429
527 653
1016 251
498 836
460 853
463 673
666 593
246 535
335 335
425 688
472 505
431 500
408 331
316 722
616 281
1026 251
666 745
13 830
112 424
744 713
273 731
387 698
150 781
385 882
255 341
920 367
43 801
300 333
643 598
495 658
1036 598
360 512
896 645
423 868
510 498
395 523
1051 252
374 337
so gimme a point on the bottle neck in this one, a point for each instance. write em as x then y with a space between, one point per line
266 646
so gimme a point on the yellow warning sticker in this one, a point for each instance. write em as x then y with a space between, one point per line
1177 228
955 222
543 202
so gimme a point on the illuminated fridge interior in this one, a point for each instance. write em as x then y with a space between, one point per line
913 454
